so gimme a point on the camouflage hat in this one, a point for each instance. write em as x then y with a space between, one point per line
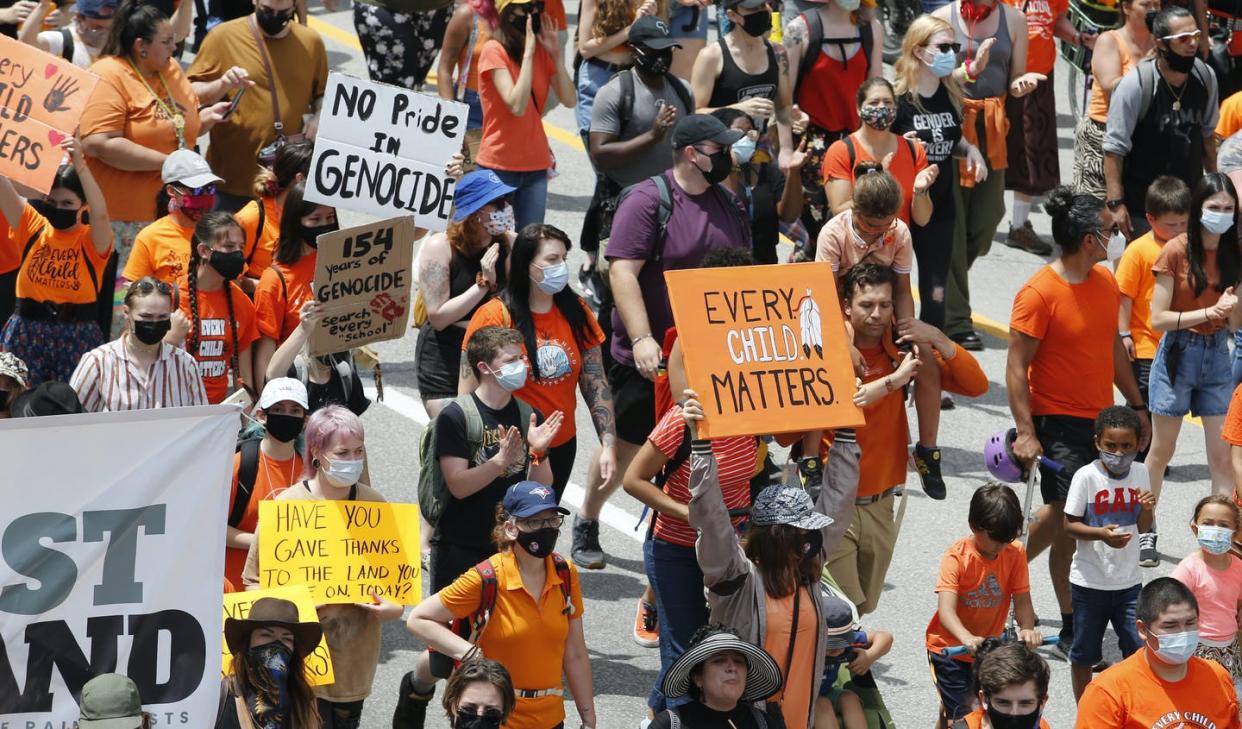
787 505
12 366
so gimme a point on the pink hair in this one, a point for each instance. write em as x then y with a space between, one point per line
486 10
322 428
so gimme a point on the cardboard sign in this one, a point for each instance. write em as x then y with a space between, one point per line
381 150
764 348
318 663
363 277
41 100
341 550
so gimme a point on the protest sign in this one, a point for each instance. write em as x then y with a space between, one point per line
381 150
764 348
341 550
362 277
41 99
318 664
113 560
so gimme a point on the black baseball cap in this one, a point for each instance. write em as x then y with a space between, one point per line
651 32
695 128
745 4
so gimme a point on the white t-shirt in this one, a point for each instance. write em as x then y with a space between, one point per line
55 43
1100 499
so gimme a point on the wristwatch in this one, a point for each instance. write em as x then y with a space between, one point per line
1114 203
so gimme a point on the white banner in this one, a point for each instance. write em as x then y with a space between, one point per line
112 560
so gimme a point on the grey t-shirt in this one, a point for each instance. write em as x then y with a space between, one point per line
606 119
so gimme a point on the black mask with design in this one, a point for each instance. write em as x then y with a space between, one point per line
283 428
271 21
58 218
150 332
311 233
651 61
540 542
229 265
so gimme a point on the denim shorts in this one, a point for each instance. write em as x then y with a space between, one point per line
1093 611
1203 381
687 21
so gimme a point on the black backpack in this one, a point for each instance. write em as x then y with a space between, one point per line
626 79
815 41
247 472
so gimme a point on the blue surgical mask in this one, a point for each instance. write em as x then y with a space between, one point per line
555 278
850 5
943 63
1214 539
1117 464
1177 648
744 149
343 473
1216 222
511 376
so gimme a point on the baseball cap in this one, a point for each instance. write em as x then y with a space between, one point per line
695 128
475 190
839 620
187 167
527 498
280 389
13 366
98 9
744 4
110 701
651 32
787 505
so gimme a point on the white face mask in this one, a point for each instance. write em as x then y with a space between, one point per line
342 473
1115 247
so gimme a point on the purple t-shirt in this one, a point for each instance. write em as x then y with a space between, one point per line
699 224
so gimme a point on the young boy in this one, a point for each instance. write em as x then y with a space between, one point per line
847 645
1011 683
979 575
1109 503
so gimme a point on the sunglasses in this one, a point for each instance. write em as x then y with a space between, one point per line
144 287
945 47
209 189
1187 36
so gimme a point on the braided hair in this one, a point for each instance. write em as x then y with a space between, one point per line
207 232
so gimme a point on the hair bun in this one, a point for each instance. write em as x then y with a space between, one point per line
1059 201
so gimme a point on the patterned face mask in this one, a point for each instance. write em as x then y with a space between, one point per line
268 695
499 222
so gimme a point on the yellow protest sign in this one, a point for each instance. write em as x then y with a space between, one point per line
341 550
237 605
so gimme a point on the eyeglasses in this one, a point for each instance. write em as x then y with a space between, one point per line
532 525
1187 36
944 47
1106 234
208 189
144 287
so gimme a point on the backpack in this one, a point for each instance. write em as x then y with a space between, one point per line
471 627
1147 83
66 45
761 719
247 472
433 492
815 42
626 107
609 208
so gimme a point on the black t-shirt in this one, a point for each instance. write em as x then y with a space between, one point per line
697 716
6 28
333 391
1167 141
939 126
468 522
762 188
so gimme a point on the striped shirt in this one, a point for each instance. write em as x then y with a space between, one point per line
107 379
735 462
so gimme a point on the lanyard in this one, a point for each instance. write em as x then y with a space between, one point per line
176 117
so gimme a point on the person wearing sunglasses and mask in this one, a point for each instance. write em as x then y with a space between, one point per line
1170 103
63 242
139 370
479 695
333 467
535 626
162 249
265 686
1163 678
80 42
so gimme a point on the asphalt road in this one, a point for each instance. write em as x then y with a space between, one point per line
623 671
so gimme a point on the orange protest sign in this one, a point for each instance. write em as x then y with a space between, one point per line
41 100
764 347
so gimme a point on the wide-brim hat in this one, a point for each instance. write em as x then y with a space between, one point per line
272 611
763 676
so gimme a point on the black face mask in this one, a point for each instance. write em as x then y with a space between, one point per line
812 544
1177 63
1150 19
540 542
467 720
311 233
722 165
229 265
1013 721
58 218
653 62
271 21
4 400
150 332
283 428
756 24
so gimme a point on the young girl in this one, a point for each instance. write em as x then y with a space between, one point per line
221 317
162 249
1215 577
1011 683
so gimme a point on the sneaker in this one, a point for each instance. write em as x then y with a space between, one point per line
647 626
927 463
946 402
1149 556
411 711
1062 646
1024 238
586 552
969 341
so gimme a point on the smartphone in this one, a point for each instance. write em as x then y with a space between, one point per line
236 99
536 22
902 346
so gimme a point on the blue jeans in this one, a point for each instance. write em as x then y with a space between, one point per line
677 582
592 75
1203 381
530 199
475 118
1093 611
1237 358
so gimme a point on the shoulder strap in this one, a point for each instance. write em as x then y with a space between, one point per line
66 45
1147 86
867 40
247 472
674 463
849 147
463 76
815 39
679 88
562 572
474 421
761 719
674 719
271 80
34 238
284 285
625 110
524 413
910 146
487 600
258 231
663 213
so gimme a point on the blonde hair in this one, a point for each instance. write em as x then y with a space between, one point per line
906 69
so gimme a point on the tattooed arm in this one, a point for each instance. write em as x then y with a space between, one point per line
784 107
794 42
433 281
598 397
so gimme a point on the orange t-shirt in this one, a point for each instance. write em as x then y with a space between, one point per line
796 694
271 478
215 340
279 305
1231 433
974 720
1135 280
559 357
162 250
1041 19
984 588
10 250
903 168
1174 261
260 244
1230 116
884 438
62 267
1072 372
1131 696
122 103
514 143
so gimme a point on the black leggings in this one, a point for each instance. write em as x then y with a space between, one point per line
561 459
933 249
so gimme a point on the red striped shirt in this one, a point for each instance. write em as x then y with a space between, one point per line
107 379
735 462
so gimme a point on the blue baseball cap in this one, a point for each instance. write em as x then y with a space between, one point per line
98 9
475 190
527 498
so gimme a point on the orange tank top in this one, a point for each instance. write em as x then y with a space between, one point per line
482 34
1097 107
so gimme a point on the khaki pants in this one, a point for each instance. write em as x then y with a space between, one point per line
861 559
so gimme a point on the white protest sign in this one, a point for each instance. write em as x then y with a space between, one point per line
113 560
381 150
